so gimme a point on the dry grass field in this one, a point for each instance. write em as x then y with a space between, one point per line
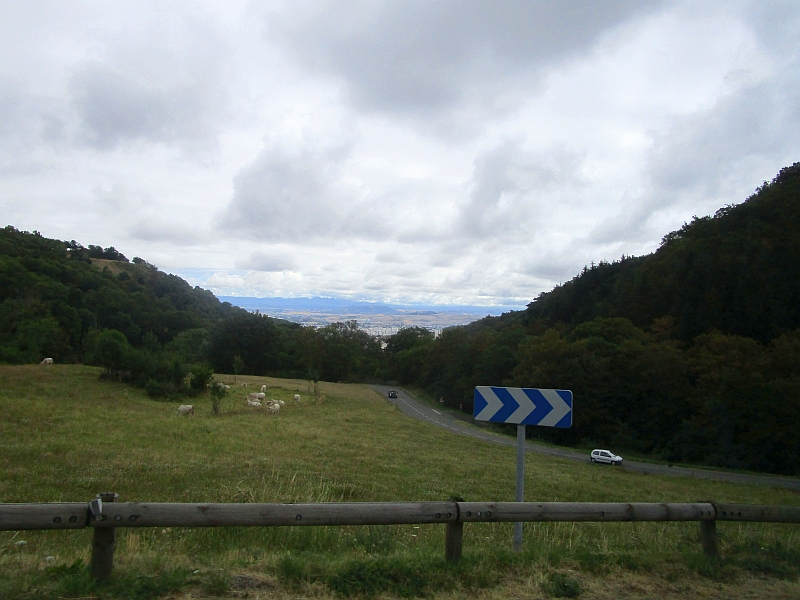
66 435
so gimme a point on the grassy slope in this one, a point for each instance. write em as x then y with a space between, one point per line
65 435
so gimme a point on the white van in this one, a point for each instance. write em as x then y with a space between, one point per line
605 456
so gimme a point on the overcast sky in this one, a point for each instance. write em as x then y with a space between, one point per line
413 151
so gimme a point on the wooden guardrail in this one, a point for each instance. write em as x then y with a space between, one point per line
105 514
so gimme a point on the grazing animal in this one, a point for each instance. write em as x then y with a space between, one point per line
253 402
225 386
274 409
47 361
243 384
281 402
185 409
263 388
297 398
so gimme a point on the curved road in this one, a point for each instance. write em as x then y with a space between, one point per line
417 410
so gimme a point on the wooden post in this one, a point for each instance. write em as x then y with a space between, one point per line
103 544
708 534
708 537
452 541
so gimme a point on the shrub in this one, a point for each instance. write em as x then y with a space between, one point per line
218 393
201 375
562 586
110 350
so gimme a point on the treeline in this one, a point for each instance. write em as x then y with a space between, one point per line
724 400
691 353
88 304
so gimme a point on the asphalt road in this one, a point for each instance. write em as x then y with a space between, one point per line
408 405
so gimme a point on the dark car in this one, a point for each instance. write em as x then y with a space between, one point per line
392 394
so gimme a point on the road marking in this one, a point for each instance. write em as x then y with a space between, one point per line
436 411
428 419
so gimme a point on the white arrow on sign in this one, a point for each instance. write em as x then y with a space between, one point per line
493 404
526 407
560 408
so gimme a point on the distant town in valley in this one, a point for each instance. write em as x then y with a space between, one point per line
378 319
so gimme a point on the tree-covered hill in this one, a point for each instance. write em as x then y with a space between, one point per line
88 304
691 353
52 293
737 272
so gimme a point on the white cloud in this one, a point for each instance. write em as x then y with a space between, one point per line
457 152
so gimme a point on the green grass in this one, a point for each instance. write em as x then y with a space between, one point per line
65 436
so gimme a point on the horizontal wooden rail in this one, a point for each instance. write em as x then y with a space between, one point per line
55 515
584 511
758 513
75 515
104 514
134 514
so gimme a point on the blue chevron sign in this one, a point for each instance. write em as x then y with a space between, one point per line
523 406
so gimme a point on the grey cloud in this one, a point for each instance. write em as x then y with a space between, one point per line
629 224
550 266
116 107
26 122
388 258
755 126
420 56
272 262
287 196
710 156
775 23
506 184
151 230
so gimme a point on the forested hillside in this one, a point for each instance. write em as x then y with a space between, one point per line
52 293
88 304
736 272
691 353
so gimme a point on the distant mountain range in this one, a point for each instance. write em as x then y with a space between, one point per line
346 306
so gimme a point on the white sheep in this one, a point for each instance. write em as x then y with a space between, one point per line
297 398
274 409
185 409
253 402
47 361
263 388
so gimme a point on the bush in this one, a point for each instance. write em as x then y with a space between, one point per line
110 350
562 586
218 393
201 375
160 390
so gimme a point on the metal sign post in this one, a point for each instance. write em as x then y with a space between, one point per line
519 495
523 406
